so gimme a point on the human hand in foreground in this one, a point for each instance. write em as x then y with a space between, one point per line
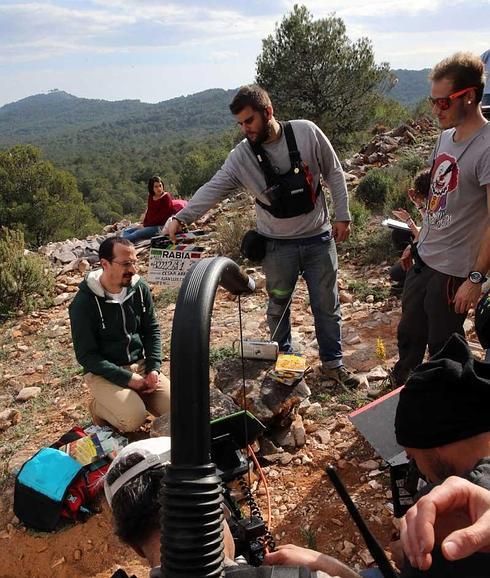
171 228
454 496
290 555
340 231
467 296
402 214
406 258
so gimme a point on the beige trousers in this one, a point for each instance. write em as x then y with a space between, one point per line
124 408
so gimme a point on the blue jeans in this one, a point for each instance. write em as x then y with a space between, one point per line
134 234
316 260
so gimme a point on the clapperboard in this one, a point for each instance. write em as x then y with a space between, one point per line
169 262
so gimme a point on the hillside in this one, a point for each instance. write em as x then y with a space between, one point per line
58 118
412 86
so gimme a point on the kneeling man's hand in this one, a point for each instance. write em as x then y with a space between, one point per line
137 383
151 381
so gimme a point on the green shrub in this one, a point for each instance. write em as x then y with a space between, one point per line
230 231
361 289
378 247
360 214
219 354
25 279
411 162
373 189
164 296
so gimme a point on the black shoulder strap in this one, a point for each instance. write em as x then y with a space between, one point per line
294 155
264 162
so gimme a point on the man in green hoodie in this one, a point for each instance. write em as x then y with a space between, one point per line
116 338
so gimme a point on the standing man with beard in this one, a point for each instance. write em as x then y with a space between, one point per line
454 242
117 340
281 165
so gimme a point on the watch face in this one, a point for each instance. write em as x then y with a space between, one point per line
476 277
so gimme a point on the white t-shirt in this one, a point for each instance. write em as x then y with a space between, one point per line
119 297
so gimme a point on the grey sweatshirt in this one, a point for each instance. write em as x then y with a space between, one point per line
241 171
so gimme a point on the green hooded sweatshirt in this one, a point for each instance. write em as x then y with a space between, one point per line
107 334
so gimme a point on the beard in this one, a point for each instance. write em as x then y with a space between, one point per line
126 280
265 131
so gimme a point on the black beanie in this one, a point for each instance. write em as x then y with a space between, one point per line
445 400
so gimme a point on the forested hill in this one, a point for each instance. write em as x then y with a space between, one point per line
44 117
112 148
412 86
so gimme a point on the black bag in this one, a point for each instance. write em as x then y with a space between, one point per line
292 193
253 246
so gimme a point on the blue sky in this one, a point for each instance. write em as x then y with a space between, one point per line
153 50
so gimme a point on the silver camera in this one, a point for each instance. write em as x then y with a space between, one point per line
257 349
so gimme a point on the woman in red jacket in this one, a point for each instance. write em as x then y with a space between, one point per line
160 207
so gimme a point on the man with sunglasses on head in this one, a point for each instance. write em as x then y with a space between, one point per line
454 242
116 338
282 165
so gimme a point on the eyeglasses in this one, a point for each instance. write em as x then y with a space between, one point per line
127 264
444 102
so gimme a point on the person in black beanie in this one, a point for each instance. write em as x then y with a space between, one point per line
443 422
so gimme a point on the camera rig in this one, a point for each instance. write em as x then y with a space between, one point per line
192 494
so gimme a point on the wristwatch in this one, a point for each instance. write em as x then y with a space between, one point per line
476 277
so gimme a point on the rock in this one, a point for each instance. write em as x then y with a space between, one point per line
323 435
303 406
369 298
366 557
348 549
313 410
8 418
56 331
267 447
267 399
160 426
298 430
284 437
378 373
77 554
58 562
221 404
83 266
273 458
59 299
345 297
353 340
285 458
259 281
28 393
18 459
369 465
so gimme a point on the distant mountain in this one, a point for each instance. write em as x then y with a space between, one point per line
42 118
412 86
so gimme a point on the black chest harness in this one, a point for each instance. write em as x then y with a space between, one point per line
291 194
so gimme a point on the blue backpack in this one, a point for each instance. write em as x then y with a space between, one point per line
41 487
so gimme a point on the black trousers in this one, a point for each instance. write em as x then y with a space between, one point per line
428 318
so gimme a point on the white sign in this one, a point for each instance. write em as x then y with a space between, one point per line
169 265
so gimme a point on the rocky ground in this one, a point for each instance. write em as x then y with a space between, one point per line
42 395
